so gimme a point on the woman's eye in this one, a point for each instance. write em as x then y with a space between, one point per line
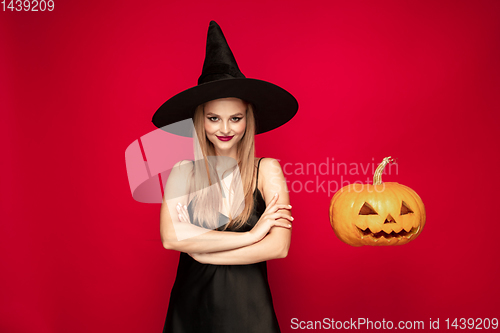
235 119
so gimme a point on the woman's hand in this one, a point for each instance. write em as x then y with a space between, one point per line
270 218
183 212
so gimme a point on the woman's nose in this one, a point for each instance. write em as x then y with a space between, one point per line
225 127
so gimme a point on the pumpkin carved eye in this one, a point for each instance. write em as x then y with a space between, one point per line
405 209
367 209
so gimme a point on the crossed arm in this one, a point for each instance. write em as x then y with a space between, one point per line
273 246
234 248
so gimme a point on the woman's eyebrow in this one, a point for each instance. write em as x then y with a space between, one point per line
215 114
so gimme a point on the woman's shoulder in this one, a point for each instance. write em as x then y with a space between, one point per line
177 181
267 164
271 177
182 168
183 162
266 159
184 165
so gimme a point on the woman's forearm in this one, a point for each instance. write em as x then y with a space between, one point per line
192 239
275 245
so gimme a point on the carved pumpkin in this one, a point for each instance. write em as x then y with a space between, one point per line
378 214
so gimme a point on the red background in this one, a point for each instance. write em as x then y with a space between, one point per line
414 80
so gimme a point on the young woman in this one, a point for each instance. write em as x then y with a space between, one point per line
227 212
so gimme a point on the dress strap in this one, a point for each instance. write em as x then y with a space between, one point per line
258 166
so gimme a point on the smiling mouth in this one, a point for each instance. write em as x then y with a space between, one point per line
224 138
378 235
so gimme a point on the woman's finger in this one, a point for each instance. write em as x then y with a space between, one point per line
185 213
272 202
284 225
281 206
179 213
278 215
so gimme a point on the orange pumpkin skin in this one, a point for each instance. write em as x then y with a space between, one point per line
377 215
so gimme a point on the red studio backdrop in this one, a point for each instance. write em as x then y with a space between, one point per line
415 80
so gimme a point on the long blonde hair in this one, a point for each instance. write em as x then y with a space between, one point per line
208 202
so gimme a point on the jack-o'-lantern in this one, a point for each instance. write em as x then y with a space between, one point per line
379 214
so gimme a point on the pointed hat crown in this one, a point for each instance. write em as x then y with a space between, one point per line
219 59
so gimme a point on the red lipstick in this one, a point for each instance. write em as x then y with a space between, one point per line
224 138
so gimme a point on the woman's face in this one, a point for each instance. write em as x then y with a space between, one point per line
225 124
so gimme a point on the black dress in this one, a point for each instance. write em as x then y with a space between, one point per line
222 298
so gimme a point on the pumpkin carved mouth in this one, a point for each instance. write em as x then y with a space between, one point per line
402 234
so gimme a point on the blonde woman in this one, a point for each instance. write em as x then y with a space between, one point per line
226 212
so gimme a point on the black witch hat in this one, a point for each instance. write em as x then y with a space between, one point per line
221 78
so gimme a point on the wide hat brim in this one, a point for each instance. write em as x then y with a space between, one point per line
273 105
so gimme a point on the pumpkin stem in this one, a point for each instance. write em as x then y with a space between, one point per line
377 177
